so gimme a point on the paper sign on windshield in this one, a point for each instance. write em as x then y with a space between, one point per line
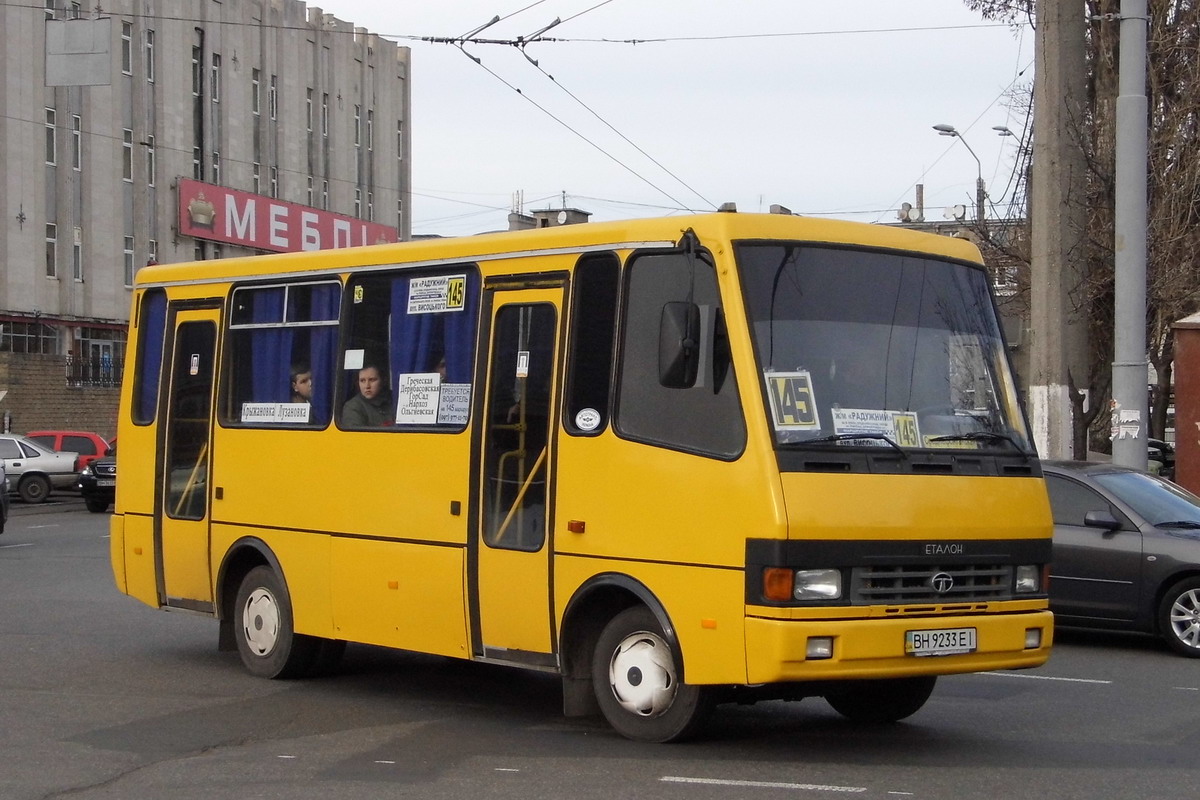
793 406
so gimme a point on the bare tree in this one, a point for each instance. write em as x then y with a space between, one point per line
1173 237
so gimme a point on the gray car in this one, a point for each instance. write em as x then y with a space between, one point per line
1126 552
33 471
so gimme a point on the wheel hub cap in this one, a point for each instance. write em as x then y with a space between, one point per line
260 622
642 675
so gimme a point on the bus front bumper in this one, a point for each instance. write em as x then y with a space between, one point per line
781 650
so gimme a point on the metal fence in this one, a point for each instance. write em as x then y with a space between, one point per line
96 371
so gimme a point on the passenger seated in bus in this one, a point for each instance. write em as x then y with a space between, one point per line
371 407
301 383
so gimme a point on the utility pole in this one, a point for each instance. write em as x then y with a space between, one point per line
1059 340
1130 409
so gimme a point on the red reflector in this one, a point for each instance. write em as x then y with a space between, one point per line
575 525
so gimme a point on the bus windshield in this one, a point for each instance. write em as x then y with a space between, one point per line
878 349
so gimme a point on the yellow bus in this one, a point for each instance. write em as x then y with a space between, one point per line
675 461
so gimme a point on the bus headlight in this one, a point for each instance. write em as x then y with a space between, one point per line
1029 579
817 584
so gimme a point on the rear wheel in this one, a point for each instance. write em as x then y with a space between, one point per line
889 700
34 488
637 684
262 626
1179 617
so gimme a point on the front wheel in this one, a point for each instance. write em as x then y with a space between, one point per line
1179 617
96 505
262 626
34 488
879 701
637 684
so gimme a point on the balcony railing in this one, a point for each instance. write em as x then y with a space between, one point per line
97 371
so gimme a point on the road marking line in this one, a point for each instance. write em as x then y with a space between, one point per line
1045 678
506 769
38 527
1187 688
285 756
762 784
903 794
385 762
23 544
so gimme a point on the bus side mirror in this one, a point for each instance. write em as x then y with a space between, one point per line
679 345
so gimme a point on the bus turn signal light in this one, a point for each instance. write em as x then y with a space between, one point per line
777 584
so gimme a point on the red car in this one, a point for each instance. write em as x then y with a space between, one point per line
88 445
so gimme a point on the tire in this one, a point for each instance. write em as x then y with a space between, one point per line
262 626
96 505
882 701
34 488
637 683
1179 617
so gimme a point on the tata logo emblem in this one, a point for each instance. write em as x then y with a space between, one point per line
941 582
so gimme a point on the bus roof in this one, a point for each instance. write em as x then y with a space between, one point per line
619 235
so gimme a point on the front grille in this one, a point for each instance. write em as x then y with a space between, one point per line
106 470
914 583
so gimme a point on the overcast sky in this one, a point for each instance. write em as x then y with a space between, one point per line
824 106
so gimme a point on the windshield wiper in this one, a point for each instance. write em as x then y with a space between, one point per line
1179 523
849 437
982 436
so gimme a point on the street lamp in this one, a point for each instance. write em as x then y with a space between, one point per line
950 130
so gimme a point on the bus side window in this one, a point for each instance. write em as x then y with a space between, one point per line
152 322
418 330
593 333
704 418
276 331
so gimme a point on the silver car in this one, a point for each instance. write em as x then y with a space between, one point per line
33 471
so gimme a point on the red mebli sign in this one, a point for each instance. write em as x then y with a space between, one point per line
208 211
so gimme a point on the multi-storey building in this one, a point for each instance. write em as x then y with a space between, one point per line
256 114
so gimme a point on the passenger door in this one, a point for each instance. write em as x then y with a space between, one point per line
182 494
510 593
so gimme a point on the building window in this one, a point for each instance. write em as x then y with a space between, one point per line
49 9
129 261
358 203
371 206
150 56
75 10
51 147
197 72
274 181
358 126
77 261
197 164
76 141
370 129
399 213
311 190
325 114
256 177
255 83
308 110
215 87
325 194
127 48
273 97
399 140
216 167
152 252
51 250
127 155
151 165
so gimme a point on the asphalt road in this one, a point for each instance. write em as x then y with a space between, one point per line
102 697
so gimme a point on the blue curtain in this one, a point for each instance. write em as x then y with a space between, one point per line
271 353
323 350
153 328
417 340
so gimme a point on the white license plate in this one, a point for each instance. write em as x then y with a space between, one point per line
107 482
942 642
